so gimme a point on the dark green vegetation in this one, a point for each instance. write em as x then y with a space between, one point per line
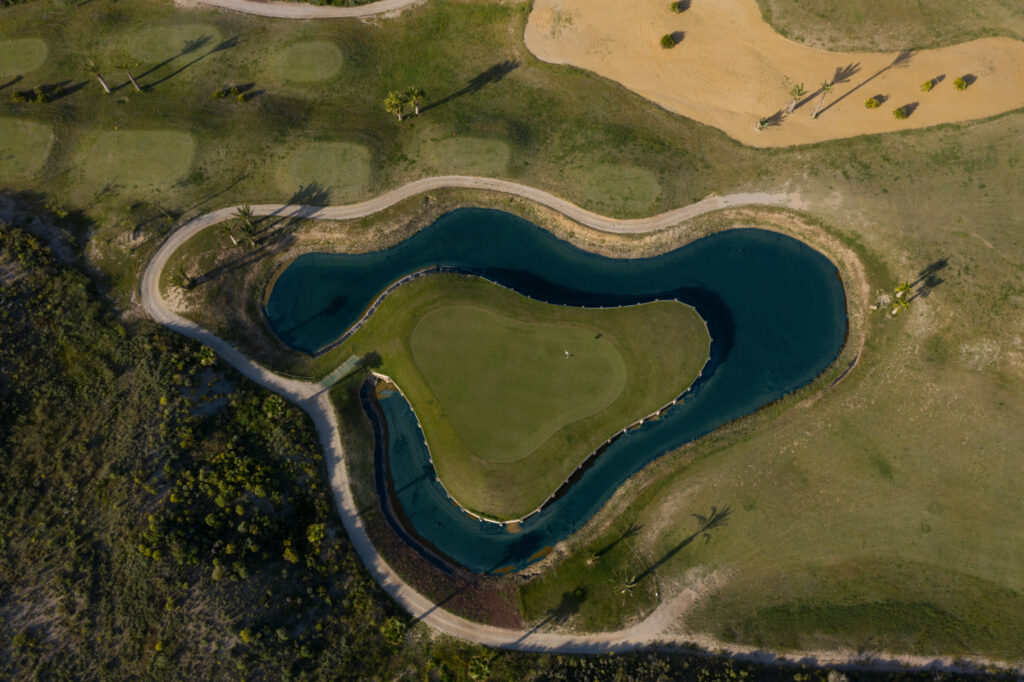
880 25
506 414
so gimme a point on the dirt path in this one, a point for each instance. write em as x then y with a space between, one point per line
302 10
656 629
730 68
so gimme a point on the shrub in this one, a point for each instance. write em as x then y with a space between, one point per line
872 103
18 98
899 113
242 98
667 41
219 94
960 84
678 7
927 86
234 90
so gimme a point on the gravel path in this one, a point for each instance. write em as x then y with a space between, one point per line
655 630
303 10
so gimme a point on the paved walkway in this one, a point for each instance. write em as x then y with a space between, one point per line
652 631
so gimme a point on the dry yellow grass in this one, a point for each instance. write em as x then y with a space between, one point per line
730 69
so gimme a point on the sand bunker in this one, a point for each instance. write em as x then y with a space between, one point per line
731 69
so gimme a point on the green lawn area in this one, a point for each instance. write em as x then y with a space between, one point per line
20 56
506 415
315 60
24 146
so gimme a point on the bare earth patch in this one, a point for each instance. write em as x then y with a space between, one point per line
729 69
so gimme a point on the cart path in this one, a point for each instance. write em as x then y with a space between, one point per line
653 631
303 10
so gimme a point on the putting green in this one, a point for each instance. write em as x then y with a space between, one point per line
506 386
463 155
341 168
20 56
159 43
138 160
24 147
506 415
616 187
315 60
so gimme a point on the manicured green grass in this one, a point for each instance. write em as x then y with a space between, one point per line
20 56
503 411
24 146
507 385
340 168
462 155
171 40
315 60
612 185
893 25
138 162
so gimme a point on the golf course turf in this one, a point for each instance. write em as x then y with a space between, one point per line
506 413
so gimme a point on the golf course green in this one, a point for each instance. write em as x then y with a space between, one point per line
513 394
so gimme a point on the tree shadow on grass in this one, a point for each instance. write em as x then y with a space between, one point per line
716 519
928 279
633 530
13 81
190 47
492 75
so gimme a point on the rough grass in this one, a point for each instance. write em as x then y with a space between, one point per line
462 155
315 60
497 459
168 41
20 56
24 147
892 25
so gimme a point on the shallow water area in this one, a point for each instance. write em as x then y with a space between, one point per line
775 309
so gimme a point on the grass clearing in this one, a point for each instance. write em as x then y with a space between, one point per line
506 385
20 56
315 60
630 187
883 26
24 147
138 161
463 155
661 346
340 168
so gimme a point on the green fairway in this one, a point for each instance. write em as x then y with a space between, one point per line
20 56
340 168
506 415
506 385
24 147
138 161
609 185
316 60
154 44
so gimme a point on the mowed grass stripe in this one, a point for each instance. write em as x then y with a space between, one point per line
507 385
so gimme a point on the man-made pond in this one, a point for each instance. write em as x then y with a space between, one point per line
775 308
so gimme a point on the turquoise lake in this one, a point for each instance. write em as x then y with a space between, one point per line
775 307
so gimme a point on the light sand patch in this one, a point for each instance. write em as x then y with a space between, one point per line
24 147
20 56
731 69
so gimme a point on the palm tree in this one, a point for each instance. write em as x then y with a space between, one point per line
902 289
245 214
415 97
91 67
899 304
182 277
796 92
125 66
826 88
394 103
230 233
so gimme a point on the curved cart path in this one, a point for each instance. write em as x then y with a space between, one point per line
303 10
655 630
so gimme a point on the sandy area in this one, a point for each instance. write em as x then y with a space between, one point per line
730 69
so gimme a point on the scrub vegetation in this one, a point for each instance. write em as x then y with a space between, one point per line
885 505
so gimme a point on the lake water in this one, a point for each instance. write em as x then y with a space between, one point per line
775 308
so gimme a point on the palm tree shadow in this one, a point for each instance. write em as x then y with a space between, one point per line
902 60
190 47
492 75
715 519
630 532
